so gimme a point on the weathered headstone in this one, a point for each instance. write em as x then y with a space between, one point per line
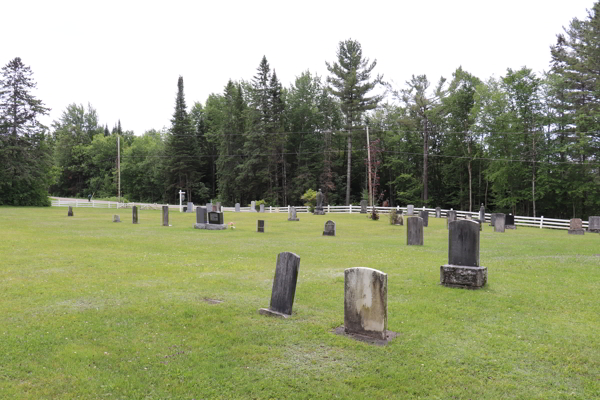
576 227
363 206
509 222
438 212
262 208
134 214
260 226
209 207
292 216
424 214
70 212
237 207
482 213
319 207
218 206
463 269
451 216
410 210
253 206
329 228
365 302
201 218
116 218
499 223
190 207
594 224
493 219
165 215
284 286
399 219
414 231
215 221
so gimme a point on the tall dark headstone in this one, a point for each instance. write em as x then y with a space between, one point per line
284 286
201 218
134 214
329 229
482 213
424 214
576 227
165 215
414 231
438 212
70 212
463 269
509 222
594 224
363 206
499 222
260 226
365 302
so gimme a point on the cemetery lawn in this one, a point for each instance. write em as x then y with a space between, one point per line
91 309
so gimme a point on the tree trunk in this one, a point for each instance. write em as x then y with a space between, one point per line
425 164
348 171
470 179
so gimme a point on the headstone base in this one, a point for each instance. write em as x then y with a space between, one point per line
576 232
271 313
510 227
200 226
463 277
293 219
594 230
319 212
216 227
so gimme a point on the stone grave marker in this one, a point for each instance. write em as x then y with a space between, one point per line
424 214
190 207
576 227
493 219
319 206
253 206
70 212
482 213
201 218
237 207
329 229
218 206
134 214
438 212
499 222
215 221
365 302
399 220
410 210
363 206
414 231
116 218
463 269
292 216
451 216
209 207
284 286
165 215
260 226
509 222
262 208
594 224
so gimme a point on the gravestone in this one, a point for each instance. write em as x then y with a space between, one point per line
414 231
70 212
190 207
363 206
237 207
165 215
482 213
576 227
260 226
463 269
438 212
292 214
253 206
215 221
410 210
329 229
365 302
319 207
451 216
201 218
218 206
424 214
262 208
134 214
209 207
284 286
493 219
594 224
509 222
116 218
399 219
499 223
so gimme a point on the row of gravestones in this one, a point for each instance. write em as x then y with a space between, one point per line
365 289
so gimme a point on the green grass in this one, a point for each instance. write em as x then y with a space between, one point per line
95 309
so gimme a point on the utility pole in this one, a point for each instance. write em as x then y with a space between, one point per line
119 168
369 163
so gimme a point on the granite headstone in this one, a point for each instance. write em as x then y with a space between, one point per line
365 302
499 222
424 214
329 228
576 227
260 226
284 286
463 269
134 214
70 212
414 231
363 206
594 224
165 215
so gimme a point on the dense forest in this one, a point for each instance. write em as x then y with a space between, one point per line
524 143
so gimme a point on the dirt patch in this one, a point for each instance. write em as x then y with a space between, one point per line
389 336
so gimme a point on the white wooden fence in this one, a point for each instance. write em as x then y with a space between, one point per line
537 222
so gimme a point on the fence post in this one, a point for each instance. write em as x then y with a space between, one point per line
350 208
541 222
270 209
328 209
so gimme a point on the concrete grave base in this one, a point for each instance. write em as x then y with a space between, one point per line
293 219
319 212
463 277
510 227
216 227
576 232
389 335
200 226
271 313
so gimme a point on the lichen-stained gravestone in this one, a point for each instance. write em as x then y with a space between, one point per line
329 229
414 231
116 218
424 214
499 222
260 226
463 269
594 224
134 214
284 286
365 302
363 206
576 227
70 212
292 216
451 216
201 218
165 215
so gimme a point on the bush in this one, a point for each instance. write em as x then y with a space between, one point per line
310 199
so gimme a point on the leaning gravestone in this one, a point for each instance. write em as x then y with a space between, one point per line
425 216
237 207
410 210
292 216
284 286
576 227
363 206
438 212
594 224
190 207
329 229
509 222
482 213
253 206
451 216
134 214
215 221
499 223
414 231
260 226
70 212
365 302
165 215
463 269
262 208
201 218
116 218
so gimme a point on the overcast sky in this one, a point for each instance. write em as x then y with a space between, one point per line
124 57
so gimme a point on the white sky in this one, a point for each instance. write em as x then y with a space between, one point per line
124 57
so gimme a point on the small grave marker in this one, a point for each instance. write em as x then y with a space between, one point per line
70 212
116 218
424 214
134 214
363 206
284 286
292 216
260 226
576 227
329 229
365 302
594 224
499 222
414 231
165 215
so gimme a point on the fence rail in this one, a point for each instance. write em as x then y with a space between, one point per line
536 222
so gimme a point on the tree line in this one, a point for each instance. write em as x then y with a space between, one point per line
524 143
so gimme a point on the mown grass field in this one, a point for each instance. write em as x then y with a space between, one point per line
91 309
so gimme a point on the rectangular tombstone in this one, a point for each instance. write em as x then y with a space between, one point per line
215 217
134 214
218 206
463 269
493 219
262 208
260 226
165 215
292 215
509 222
70 212
190 207
201 218
399 220
237 207
209 207
482 213
284 286
438 212
451 217
414 231
116 218
499 222
576 227
594 224
253 206
329 229
410 210
363 206
425 216
365 302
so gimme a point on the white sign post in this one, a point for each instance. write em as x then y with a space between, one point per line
181 201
